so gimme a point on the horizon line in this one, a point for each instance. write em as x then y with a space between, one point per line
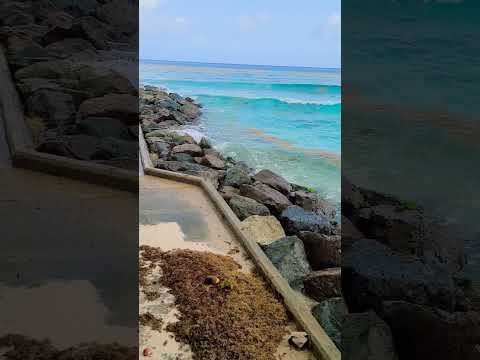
239 64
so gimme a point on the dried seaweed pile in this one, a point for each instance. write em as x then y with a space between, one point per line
238 317
23 348
147 319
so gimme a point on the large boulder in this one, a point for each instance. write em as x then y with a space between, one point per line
274 200
322 250
244 207
67 47
76 7
409 231
274 180
213 161
312 202
236 176
104 127
350 233
23 51
367 337
373 273
352 198
228 191
330 314
119 106
288 256
190 110
323 284
54 107
295 219
262 229
209 175
422 332
95 80
190 149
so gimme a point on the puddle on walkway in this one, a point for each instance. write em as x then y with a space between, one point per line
180 216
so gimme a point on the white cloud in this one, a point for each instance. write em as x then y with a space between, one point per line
330 28
252 22
151 4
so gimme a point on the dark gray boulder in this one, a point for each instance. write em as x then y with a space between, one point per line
323 284
236 176
367 337
244 207
288 256
423 332
273 199
330 314
312 202
55 108
373 273
323 251
295 219
104 127
274 180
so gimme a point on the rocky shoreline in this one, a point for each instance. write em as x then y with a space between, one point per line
296 228
396 276
74 70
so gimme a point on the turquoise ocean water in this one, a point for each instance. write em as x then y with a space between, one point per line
286 119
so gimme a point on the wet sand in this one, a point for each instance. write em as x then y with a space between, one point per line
180 216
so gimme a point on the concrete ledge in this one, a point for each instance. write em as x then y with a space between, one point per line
323 346
25 156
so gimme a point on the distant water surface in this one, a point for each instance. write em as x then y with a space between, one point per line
286 119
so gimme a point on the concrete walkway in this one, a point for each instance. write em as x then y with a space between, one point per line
176 215
61 257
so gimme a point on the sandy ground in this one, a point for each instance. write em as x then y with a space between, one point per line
175 215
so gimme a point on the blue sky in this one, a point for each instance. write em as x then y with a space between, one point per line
264 32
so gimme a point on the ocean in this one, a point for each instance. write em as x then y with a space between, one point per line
286 119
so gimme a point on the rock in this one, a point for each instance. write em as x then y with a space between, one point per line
299 340
294 219
323 251
111 148
23 51
422 332
274 180
190 149
123 107
288 256
176 97
352 198
104 127
350 233
182 157
210 175
330 314
213 162
205 143
67 47
244 207
162 148
82 147
168 104
212 280
411 232
190 110
55 108
147 352
311 202
228 191
367 337
95 80
373 273
323 284
262 229
114 13
236 176
274 200
75 7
